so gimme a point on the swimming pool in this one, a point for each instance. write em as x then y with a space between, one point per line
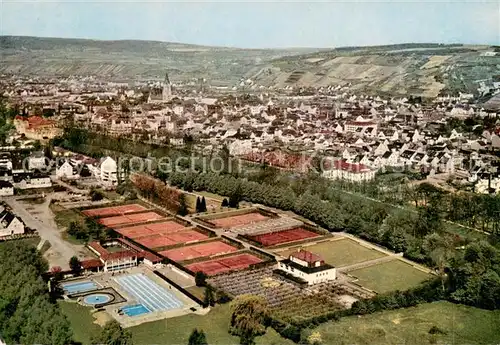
81 286
149 293
97 298
134 310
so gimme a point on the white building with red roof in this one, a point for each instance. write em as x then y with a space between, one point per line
308 266
128 256
352 172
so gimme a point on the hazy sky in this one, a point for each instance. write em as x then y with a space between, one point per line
258 23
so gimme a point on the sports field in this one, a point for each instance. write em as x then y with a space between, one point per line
137 231
339 253
157 241
231 263
390 276
285 236
460 325
198 251
114 210
130 219
239 220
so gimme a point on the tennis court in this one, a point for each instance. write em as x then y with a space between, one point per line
198 251
242 219
130 219
113 210
148 293
286 236
156 241
151 229
236 262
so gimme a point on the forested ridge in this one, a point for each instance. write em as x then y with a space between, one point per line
27 313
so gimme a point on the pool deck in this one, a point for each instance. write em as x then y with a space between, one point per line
107 279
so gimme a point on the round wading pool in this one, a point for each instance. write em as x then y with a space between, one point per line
97 298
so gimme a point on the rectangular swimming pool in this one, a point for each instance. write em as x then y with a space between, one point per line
81 286
135 310
148 293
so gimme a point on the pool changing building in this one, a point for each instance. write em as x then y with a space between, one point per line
309 267
130 256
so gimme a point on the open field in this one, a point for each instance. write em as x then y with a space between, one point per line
211 195
339 253
462 324
82 321
215 325
63 217
198 291
390 276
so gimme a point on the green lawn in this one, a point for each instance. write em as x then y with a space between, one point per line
210 195
390 276
340 253
198 291
63 217
191 202
169 331
462 324
215 325
82 322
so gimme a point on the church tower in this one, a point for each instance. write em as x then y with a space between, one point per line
167 89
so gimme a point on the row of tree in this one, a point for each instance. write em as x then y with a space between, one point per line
156 190
90 230
27 313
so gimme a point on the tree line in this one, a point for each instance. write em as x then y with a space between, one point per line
27 313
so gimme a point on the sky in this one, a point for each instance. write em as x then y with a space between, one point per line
258 24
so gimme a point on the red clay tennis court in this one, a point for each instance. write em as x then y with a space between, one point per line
292 235
236 262
107 211
136 231
156 241
198 251
238 220
130 219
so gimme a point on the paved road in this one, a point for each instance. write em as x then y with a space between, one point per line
64 250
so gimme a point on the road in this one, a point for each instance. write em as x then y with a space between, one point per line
64 250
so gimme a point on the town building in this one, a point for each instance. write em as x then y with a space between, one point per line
31 179
341 170
36 127
10 224
67 170
6 188
106 171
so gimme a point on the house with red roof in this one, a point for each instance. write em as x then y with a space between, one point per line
36 127
308 266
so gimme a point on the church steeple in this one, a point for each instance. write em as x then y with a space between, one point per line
167 89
